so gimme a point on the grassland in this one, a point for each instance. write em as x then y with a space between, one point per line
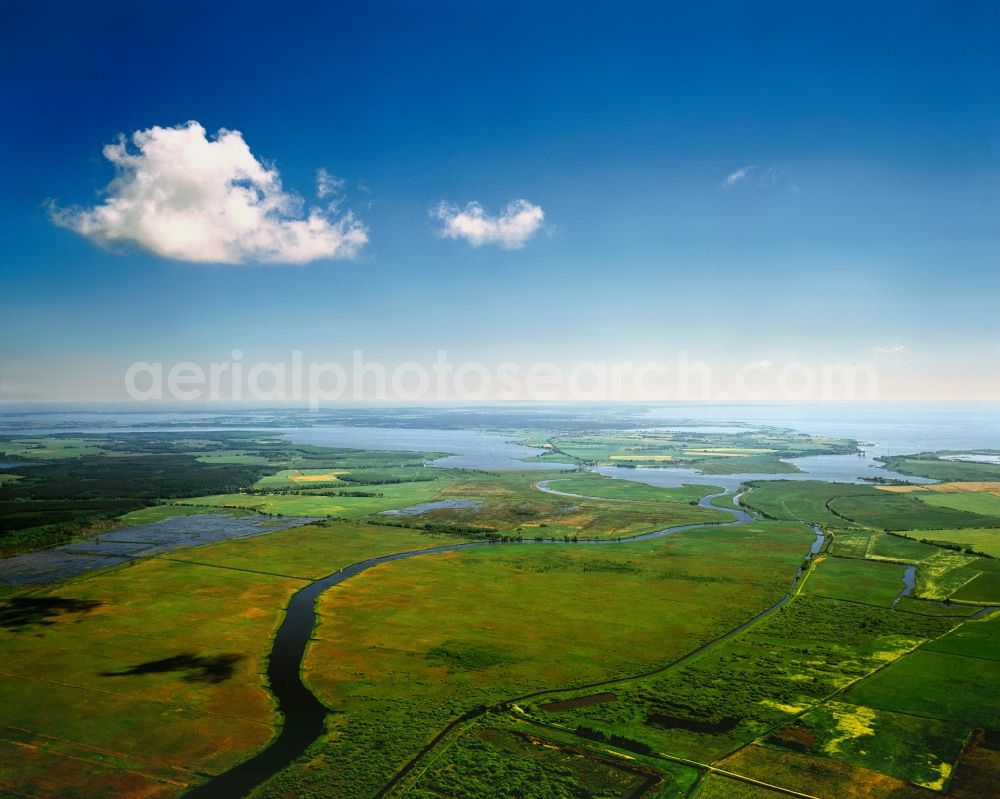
807 773
948 572
984 504
806 500
913 749
96 697
851 544
844 505
867 581
595 486
935 685
141 681
321 504
901 548
511 504
590 612
759 681
505 504
979 640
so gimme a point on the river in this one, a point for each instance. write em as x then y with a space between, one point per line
304 715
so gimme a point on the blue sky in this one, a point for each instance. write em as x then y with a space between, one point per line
864 227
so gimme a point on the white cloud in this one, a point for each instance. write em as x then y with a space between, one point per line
511 230
179 194
328 185
894 349
739 176
760 176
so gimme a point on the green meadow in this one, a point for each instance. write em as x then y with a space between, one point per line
557 617
867 581
100 698
689 665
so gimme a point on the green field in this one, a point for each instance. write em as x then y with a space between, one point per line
896 547
983 589
866 581
930 465
984 504
580 670
101 699
887 511
499 505
624 489
985 540
589 611
850 544
948 572
913 749
806 500
980 639
840 505
316 504
805 772
935 685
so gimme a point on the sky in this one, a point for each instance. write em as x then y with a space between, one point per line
765 190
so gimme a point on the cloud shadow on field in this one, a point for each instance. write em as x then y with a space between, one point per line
195 668
25 613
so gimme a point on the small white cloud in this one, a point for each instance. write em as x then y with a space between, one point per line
179 194
328 185
739 176
894 349
768 177
766 364
510 230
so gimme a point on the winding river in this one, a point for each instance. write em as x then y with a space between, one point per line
304 715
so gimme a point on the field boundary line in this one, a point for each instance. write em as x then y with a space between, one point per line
760 783
233 568
102 763
703 767
135 698
839 691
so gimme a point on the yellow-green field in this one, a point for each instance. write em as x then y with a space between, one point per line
135 682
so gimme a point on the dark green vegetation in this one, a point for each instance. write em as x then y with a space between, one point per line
72 484
509 760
